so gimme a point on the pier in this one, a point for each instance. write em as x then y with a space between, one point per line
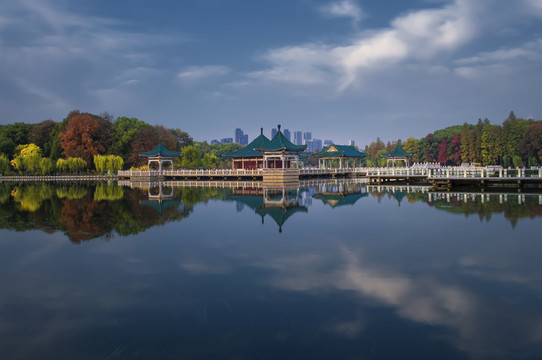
266 175
446 178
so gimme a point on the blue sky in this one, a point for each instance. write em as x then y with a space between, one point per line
347 69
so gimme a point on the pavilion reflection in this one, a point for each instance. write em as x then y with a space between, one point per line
335 193
279 202
161 198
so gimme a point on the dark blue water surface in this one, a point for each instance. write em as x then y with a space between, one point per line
319 271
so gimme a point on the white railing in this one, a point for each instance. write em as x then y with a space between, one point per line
441 172
458 172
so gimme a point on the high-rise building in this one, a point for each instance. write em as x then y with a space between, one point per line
317 144
226 141
287 134
274 132
214 141
238 135
298 138
328 142
307 136
352 143
314 145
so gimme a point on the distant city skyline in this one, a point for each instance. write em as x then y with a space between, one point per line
300 138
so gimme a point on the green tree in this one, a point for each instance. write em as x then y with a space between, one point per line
210 161
531 145
76 164
412 146
27 159
42 134
45 166
62 165
183 139
485 143
191 158
124 131
108 163
513 133
5 166
464 147
71 165
12 135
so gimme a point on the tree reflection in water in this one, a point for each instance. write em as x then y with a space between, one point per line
101 210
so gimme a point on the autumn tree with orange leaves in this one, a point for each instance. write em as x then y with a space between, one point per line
84 136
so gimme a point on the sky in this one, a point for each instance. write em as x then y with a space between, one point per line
347 69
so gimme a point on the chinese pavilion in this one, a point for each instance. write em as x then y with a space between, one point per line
280 152
397 154
343 154
248 158
161 155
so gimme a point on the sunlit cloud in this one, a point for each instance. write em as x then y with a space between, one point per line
344 8
419 35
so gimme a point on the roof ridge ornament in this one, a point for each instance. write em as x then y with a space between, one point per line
278 126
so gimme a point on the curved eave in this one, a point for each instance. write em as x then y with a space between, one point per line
243 156
397 155
160 155
281 149
341 155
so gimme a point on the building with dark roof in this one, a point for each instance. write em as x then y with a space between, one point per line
161 155
280 152
339 155
248 158
397 154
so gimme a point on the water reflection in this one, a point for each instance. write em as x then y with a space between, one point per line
341 193
359 272
513 205
102 210
279 203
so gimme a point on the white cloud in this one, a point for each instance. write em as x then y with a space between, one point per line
530 51
345 8
197 73
419 35
74 56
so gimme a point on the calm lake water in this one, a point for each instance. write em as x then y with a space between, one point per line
324 271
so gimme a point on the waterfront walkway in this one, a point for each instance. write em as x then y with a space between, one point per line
444 178
448 177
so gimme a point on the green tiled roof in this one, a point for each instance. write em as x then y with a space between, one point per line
280 142
398 151
280 215
160 150
338 200
341 151
249 150
253 202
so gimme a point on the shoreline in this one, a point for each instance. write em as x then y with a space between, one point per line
26 178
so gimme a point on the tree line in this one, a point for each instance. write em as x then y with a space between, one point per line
88 142
517 142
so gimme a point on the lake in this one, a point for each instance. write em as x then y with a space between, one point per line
323 270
